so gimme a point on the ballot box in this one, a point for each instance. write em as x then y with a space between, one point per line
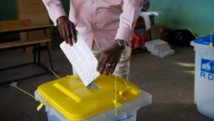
108 98
204 75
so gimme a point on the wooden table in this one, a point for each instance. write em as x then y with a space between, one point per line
24 43
26 29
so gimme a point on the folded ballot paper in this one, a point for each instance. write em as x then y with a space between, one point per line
82 60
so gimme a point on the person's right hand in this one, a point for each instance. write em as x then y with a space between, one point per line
67 30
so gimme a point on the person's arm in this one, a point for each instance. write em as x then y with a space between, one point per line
128 19
55 9
110 57
58 16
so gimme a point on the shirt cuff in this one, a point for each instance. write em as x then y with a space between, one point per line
124 34
58 12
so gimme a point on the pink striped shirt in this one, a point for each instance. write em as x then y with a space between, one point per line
99 20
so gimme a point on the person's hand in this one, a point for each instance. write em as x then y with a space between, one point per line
109 58
67 30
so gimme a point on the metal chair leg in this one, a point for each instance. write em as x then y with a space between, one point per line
39 53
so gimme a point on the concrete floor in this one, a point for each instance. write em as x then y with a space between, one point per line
169 80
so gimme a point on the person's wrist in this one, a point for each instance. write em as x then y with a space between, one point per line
120 43
61 18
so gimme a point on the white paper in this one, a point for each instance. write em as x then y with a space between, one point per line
82 60
146 15
154 13
146 20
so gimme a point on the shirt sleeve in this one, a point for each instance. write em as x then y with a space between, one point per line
55 9
128 18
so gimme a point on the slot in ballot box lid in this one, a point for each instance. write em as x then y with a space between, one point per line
72 99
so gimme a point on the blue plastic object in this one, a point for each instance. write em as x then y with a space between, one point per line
205 40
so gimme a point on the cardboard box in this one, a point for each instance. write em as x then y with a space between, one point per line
159 31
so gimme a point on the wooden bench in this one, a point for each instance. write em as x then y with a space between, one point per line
23 26
14 24
22 43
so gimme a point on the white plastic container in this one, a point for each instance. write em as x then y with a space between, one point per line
159 48
128 111
155 44
204 76
164 54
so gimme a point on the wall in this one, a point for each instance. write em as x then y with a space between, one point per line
198 15
8 10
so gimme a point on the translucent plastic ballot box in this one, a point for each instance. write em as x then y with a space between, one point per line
204 75
67 99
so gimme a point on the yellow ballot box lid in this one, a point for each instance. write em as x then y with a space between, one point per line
72 99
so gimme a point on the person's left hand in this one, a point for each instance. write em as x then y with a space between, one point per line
109 58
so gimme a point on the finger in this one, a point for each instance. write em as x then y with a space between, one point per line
108 67
62 33
74 34
100 59
101 67
103 63
68 34
114 64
